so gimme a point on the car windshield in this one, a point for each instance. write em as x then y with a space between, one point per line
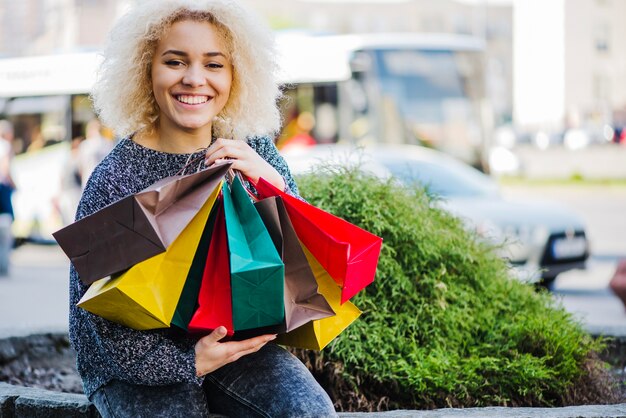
446 179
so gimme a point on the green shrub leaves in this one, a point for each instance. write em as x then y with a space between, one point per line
443 324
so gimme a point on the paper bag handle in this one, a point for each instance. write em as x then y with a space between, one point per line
193 161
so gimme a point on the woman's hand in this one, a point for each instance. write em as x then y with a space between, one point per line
244 159
212 354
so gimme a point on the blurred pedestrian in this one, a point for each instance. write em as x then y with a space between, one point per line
71 185
7 186
618 282
301 133
92 150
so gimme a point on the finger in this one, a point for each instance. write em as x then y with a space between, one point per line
240 354
224 143
221 153
215 336
253 345
234 347
215 146
218 143
237 165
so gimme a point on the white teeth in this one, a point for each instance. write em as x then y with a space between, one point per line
192 99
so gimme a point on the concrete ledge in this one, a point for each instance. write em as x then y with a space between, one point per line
25 402
46 349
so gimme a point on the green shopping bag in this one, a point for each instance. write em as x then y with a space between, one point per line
188 302
256 270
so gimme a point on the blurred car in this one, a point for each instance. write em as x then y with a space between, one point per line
539 239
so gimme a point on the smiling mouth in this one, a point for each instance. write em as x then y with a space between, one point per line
192 100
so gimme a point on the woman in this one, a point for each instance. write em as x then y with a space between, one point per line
179 76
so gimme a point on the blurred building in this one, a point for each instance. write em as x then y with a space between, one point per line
486 19
40 27
570 66
549 64
595 62
21 21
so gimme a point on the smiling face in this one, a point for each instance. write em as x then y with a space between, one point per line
191 76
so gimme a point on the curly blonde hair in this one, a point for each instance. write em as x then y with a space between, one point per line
123 95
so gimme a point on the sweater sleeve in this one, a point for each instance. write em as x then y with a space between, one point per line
139 357
265 147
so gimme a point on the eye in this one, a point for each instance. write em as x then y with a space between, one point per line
173 63
215 65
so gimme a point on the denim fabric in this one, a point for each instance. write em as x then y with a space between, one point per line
269 383
119 400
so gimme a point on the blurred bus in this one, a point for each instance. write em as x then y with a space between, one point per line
46 99
425 89
387 88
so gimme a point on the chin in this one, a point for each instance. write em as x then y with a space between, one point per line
193 125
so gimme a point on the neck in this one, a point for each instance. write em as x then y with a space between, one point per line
170 139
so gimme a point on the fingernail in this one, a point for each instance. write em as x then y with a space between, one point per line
221 330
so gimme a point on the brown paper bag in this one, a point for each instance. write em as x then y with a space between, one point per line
303 302
139 226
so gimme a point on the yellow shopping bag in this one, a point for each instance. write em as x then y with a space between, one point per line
145 296
316 335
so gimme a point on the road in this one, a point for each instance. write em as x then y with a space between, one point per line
586 293
33 298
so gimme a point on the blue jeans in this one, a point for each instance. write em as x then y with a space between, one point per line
268 383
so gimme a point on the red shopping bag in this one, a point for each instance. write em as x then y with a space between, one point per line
348 253
214 299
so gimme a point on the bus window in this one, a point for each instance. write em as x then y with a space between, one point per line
310 115
37 121
82 113
437 93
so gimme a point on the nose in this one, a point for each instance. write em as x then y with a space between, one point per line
193 76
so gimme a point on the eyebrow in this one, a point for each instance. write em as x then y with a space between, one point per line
184 54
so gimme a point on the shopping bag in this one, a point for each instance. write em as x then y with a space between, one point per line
348 253
188 301
214 298
318 334
303 303
139 226
256 270
146 295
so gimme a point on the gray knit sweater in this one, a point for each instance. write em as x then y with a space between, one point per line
106 350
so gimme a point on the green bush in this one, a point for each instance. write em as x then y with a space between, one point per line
443 324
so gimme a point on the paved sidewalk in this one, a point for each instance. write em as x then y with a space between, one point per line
586 294
34 297
588 411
